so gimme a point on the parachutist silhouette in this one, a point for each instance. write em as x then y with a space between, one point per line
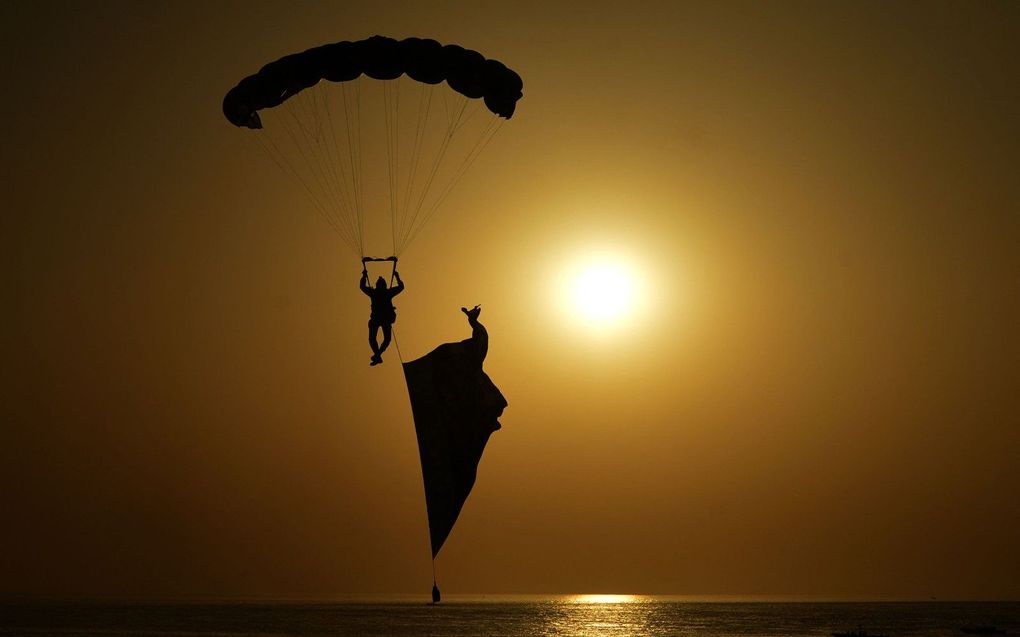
383 313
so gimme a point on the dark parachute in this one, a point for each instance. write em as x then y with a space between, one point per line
456 408
381 58
422 110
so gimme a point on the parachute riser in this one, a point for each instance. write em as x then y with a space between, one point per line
393 260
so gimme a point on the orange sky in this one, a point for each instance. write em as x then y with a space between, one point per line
818 399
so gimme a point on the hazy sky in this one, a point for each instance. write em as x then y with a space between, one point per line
817 397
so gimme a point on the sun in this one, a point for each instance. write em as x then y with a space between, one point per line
604 291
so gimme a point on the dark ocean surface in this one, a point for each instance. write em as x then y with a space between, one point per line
504 615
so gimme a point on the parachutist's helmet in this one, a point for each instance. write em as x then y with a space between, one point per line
380 283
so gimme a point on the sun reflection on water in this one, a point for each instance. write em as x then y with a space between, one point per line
603 599
600 614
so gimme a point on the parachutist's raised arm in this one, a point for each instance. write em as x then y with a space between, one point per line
399 287
364 282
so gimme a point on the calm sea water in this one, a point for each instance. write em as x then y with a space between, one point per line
506 616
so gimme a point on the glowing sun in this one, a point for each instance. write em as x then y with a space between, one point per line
604 292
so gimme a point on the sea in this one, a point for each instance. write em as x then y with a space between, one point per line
510 616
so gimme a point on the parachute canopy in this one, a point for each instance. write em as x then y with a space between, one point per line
381 58
456 408
334 137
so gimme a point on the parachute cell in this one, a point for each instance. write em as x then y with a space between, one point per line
381 58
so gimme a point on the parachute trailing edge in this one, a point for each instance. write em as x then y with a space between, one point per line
467 72
456 407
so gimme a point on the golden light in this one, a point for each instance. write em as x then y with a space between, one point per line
604 599
602 290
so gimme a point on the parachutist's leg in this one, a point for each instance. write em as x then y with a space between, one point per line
387 329
373 333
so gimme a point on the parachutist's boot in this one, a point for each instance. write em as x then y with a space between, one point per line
376 360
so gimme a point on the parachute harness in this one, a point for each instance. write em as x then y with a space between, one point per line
396 343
